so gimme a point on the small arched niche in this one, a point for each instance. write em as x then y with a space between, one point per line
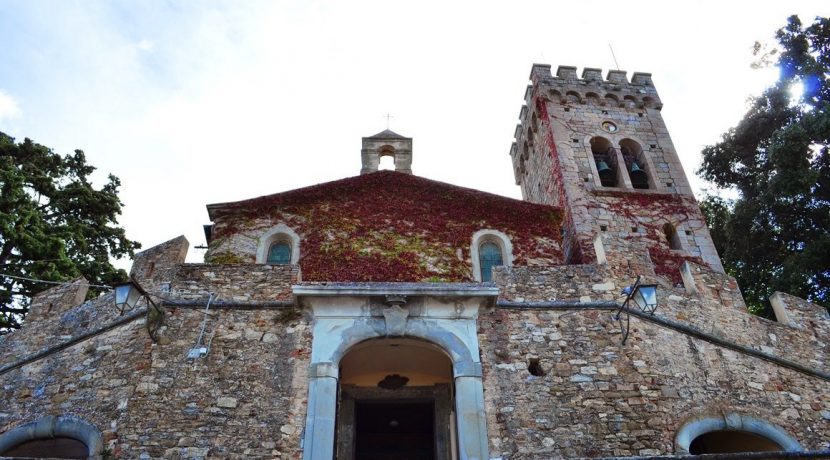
636 164
605 159
572 97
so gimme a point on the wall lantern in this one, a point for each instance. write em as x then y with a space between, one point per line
127 296
644 296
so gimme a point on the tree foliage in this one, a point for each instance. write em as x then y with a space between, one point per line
54 225
776 235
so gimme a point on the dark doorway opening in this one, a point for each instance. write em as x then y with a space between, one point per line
386 430
59 447
729 441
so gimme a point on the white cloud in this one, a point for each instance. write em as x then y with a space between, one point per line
193 103
145 45
9 108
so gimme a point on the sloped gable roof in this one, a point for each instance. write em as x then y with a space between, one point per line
394 184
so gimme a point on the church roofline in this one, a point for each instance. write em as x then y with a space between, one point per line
387 134
398 176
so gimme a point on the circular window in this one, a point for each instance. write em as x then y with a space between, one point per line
609 126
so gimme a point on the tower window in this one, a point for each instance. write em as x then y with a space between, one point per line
635 164
605 159
672 237
279 253
489 255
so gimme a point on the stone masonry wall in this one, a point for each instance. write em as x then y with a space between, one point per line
599 397
235 282
711 309
244 399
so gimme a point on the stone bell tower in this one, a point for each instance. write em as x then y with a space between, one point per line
599 148
386 143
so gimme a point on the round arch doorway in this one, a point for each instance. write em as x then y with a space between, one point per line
395 401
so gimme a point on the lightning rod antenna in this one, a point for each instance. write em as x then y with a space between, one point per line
614 56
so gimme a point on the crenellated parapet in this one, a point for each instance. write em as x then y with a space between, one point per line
615 90
568 89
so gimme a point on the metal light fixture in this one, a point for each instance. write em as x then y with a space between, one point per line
128 294
644 297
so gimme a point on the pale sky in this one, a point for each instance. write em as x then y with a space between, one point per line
191 103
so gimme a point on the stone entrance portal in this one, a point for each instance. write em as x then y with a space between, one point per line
434 328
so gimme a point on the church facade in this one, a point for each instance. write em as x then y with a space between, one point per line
387 315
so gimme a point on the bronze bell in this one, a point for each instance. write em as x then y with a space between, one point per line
606 175
639 178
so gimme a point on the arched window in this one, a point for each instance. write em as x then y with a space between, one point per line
279 253
605 159
490 248
489 256
635 164
280 245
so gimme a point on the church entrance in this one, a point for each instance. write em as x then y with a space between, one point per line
395 402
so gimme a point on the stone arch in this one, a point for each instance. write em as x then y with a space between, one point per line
423 329
592 98
651 103
612 100
279 232
556 96
629 101
605 164
386 157
632 150
700 425
573 97
50 427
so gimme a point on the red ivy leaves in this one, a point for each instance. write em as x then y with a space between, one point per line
389 226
